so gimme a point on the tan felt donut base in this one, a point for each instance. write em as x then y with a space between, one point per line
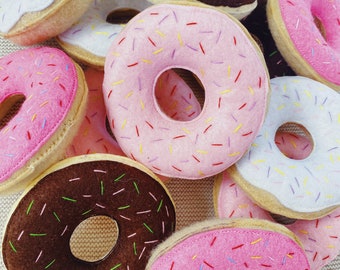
193 199
39 26
287 48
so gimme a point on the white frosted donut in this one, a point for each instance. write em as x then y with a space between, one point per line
218 50
89 40
307 188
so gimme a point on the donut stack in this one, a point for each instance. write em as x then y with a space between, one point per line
131 95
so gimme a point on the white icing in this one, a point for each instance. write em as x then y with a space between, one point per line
12 10
307 185
92 32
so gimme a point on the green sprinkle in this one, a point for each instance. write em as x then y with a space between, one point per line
69 199
160 206
116 267
119 177
50 264
149 229
86 212
271 54
29 207
12 246
102 188
136 186
56 216
124 207
134 248
38 234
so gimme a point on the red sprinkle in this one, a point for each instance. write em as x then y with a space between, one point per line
152 42
148 123
196 158
202 49
191 23
121 41
213 241
237 247
132 65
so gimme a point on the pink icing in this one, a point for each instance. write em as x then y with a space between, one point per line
323 55
48 80
319 237
207 43
234 248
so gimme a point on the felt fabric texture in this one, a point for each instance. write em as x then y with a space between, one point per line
79 188
54 94
294 25
230 244
12 11
320 238
304 188
92 32
163 37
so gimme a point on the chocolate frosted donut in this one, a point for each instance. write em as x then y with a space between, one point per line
39 230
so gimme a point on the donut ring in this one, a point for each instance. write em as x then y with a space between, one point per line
39 230
55 95
167 36
309 51
89 40
230 244
300 189
320 237
29 22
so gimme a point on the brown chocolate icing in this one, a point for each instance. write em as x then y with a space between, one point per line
39 231
227 3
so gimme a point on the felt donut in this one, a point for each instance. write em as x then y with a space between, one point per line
307 34
54 92
300 189
320 237
172 93
29 22
167 36
237 8
39 229
230 244
90 38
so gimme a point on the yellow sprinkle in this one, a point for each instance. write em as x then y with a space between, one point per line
229 70
326 179
308 94
243 206
30 97
279 171
117 83
43 104
297 104
160 33
147 61
339 118
124 124
292 166
254 145
5 130
256 257
142 104
256 241
187 131
234 154
141 21
331 158
305 181
290 256
200 173
158 51
93 27
188 108
209 120
308 193
102 33
320 167
171 149
237 128
329 196
129 94
203 152
56 78
39 73
329 227
318 41
141 148
194 257
303 232
225 91
258 161
293 143
330 246
179 37
115 54
281 107
34 117
174 104
251 90
202 71
1 68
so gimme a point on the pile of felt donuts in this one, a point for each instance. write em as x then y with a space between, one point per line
95 128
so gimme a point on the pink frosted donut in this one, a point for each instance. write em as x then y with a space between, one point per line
236 244
307 34
172 93
55 94
169 36
320 237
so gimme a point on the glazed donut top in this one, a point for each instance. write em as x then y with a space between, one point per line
39 230
307 188
12 11
322 53
48 80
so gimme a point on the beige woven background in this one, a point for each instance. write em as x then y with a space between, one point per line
193 200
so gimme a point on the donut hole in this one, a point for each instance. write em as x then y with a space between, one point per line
319 25
294 141
9 108
170 105
94 239
121 15
282 219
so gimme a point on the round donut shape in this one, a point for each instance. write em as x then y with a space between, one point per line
307 33
300 189
168 36
230 244
90 38
30 22
319 237
55 93
39 229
